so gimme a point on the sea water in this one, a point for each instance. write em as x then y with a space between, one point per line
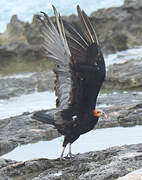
27 8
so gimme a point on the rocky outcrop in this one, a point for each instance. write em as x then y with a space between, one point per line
20 42
107 164
127 75
117 28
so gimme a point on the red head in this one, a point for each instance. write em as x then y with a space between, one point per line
98 113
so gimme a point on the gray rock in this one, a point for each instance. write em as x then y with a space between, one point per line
107 164
123 109
127 75
117 28
23 130
132 4
11 86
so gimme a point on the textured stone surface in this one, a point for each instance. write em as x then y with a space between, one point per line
108 164
127 75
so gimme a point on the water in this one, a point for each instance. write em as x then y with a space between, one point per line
94 140
40 101
26 103
25 9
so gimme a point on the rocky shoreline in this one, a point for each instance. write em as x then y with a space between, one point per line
108 164
122 76
118 28
123 110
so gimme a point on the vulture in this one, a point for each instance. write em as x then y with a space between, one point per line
80 71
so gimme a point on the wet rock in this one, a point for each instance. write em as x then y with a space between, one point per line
107 164
127 75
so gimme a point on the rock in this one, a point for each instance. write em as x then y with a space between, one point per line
132 4
120 27
123 109
23 130
117 28
107 164
11 86
20 42
127 75
135 175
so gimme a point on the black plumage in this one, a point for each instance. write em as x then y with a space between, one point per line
80 72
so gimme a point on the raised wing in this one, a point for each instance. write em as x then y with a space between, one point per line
80 67
88 66
56 50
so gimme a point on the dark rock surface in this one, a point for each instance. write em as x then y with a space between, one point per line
107 164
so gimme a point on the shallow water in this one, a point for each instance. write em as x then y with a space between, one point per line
91 141
26 103
40 101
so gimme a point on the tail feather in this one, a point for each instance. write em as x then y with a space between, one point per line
44 118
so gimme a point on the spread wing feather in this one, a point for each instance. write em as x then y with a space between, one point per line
80 67
56 50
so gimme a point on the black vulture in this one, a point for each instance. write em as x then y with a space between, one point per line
80 72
